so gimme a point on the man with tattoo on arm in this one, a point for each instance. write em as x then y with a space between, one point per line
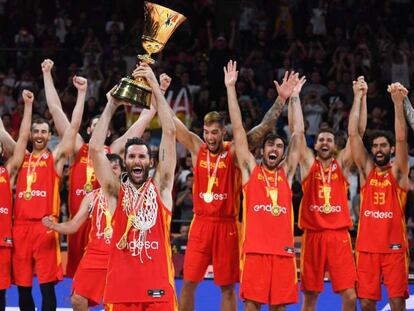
8 173
213 236
269 265
381 245
140 270
82 177
324 214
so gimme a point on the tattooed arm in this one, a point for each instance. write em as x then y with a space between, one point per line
409 112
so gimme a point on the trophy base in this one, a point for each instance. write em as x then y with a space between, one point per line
133 92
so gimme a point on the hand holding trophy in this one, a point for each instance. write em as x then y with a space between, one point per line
159 24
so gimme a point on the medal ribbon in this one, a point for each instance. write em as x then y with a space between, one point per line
212 178
273 191
31 170
89 171
326 182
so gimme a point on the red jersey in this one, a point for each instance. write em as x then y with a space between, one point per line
226 188
98 248
382 216
264 231
311 213
141 277
5 209
44 199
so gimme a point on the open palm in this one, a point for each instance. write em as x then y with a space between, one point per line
230 73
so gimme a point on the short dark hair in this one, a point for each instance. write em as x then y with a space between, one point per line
189 175
97 116
136 141
325 130
380 133
113 157
271 136
40 121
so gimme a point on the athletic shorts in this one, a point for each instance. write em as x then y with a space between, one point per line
327 250
212 241
269 279
5 267
89 283
392 267
145 306
76 247
36 249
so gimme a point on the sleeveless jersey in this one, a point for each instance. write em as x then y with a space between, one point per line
45 198
382 216
311 212
226 189
98 248
5 209
131 280
265 233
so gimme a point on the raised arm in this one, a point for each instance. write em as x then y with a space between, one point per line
409 112
245 159
164 175
109 182
71 226
400 165
284 90
66 147
8 142
139 126
358 151
14 163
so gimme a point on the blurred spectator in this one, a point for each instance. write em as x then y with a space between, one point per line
184 200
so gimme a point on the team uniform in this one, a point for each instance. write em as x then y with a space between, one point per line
90 277
32 241
213 236
140 269
77 190
268 267
382 248
6 241
326 243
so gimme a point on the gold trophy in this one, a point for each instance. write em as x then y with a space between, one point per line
159 24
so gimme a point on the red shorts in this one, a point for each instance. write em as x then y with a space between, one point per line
145 306
5 267
34 243
269 279
327 250
89 283
212 241
76 247
393 268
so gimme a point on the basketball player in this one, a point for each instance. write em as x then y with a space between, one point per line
268 266
381 243
37 195
324 214
140 271
213 236
82 177
89 280
8 173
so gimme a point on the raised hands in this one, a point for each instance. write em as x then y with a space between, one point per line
47 65
28 97
145 71
398 92
360 87
285 89
298 87
165 81
230 74
80 83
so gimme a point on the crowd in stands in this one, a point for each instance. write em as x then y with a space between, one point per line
331 42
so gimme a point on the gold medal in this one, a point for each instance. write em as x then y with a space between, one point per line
208 197
122 243
108 232
327 208
27 195
88 187
276 210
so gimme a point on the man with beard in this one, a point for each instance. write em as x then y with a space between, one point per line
213 236
37 195
8 173
140 271
89 280
82 177
324 214
381 243
269 265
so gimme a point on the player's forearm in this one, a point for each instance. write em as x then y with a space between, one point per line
354 117
409 112
68 227
297 125
400 125
362 125
97 140
164 114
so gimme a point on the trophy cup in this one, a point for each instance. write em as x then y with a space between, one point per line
159 24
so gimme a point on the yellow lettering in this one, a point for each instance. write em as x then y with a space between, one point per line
382 184
379 198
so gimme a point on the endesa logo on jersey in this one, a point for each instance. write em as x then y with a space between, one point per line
35 193
4 210
216 196
268 208
378 214
320 209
